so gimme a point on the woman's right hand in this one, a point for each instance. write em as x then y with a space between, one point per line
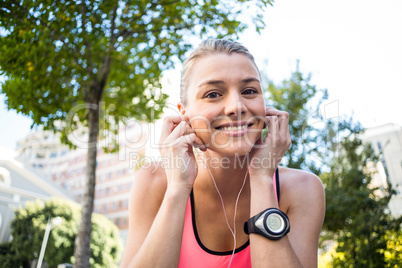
176 149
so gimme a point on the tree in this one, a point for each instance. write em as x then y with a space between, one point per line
63 59
301 100
28 228
7 257
357 214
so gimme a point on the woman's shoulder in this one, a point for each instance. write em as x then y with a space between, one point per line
299 187
298 176
150 180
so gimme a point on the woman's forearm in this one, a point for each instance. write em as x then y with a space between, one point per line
162 245
265 252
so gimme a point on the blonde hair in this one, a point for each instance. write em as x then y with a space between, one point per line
206 48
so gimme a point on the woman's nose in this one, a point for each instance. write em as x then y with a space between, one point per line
234 105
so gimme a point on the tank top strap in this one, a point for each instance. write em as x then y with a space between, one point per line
277 185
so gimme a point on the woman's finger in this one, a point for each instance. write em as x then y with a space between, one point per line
183 128
193 140
174 133
283 119
169 123
173 129
273 130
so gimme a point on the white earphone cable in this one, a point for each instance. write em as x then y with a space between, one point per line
233 231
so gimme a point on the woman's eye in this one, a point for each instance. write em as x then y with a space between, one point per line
249 91
212 95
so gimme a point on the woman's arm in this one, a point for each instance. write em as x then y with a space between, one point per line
158 200
155 223
305 204
303 201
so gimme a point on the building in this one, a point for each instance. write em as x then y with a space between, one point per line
19 184
387 142
65 167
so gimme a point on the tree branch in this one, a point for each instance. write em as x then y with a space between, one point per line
177 28
113 26
104 71
123 33
88 54
169 2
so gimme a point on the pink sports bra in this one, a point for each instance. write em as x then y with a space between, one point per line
195 255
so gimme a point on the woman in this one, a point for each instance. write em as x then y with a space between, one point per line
227 204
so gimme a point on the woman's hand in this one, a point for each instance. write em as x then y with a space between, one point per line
266 155
176 148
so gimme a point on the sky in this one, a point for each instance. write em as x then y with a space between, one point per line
353 48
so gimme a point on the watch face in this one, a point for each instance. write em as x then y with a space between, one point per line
275 223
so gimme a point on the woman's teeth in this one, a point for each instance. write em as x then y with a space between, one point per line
233 128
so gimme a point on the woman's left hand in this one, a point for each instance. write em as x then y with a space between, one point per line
266 155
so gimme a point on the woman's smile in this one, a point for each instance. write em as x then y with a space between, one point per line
235 129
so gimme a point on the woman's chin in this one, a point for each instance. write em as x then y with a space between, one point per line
231 146
230 151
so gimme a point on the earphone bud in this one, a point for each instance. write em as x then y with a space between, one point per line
181 109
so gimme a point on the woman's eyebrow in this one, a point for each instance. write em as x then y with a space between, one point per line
221 82
248 80
212 82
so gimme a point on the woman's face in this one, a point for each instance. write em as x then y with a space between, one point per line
225 104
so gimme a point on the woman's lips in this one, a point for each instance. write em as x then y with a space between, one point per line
235 129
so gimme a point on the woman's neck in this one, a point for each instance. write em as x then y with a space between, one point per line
228 172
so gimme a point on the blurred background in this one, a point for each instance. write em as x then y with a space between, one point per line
352 48
348 51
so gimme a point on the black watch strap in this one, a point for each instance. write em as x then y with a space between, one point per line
250 224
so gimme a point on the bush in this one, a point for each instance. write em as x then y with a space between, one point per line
28 229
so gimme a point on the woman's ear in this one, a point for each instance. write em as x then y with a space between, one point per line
181 109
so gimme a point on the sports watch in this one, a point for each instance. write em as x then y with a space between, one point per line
270 223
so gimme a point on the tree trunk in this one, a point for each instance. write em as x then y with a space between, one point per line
82 251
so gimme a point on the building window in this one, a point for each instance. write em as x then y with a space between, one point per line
382 157
128 185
